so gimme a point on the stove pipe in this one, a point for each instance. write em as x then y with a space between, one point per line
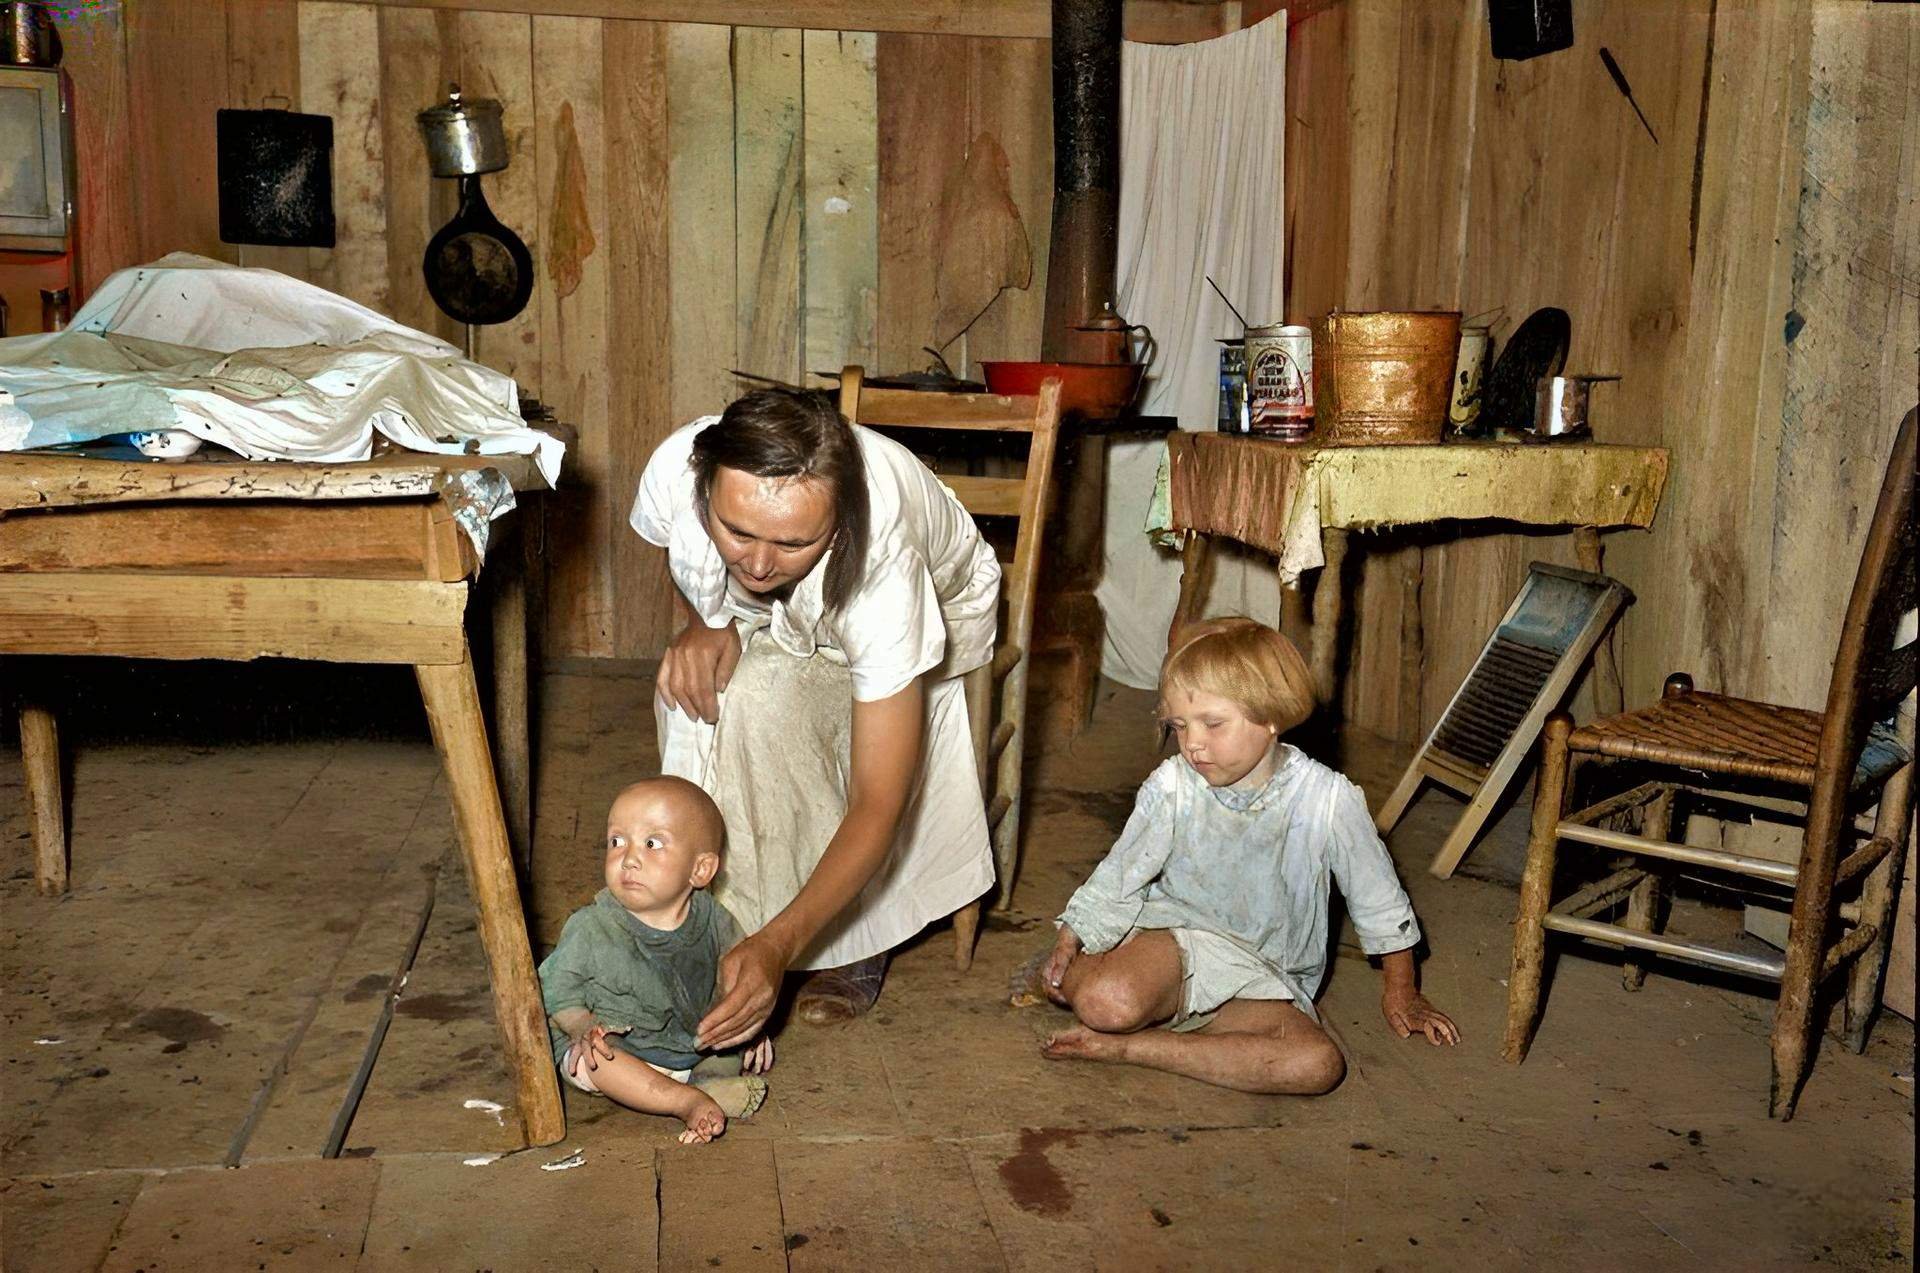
1086 169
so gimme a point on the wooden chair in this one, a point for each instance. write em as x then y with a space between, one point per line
997 693
1828 765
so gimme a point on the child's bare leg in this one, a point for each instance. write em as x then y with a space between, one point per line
637 1085
1251 1045
1134 985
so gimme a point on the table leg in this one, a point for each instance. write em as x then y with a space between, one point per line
1328 603
40 755
1609 696
1196 580
459 731
510 692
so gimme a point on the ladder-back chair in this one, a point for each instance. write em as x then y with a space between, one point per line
996 693
1828 766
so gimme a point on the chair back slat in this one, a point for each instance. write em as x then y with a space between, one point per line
987 496
917 409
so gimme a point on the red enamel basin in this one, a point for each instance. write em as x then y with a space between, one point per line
1093 390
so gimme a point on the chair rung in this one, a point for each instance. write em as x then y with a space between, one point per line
997 811
1002 736
1711 956
1005 660
1862 860
1846 948
1600 894
1626 800
986 496
1779 872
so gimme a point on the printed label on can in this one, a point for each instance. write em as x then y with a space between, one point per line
1280 383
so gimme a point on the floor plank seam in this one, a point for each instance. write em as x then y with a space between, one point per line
363 1073
780 1203
973 1174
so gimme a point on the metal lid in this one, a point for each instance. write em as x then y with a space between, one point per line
457 107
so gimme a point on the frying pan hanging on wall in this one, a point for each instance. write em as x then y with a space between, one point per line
477 269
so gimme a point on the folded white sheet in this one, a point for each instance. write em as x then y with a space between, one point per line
260 363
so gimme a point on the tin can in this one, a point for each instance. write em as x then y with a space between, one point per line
1280 381
1233 386
1469 370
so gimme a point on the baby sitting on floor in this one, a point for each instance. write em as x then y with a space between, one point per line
634 971
1210 914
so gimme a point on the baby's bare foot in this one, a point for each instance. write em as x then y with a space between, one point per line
1077 1043
703 1117
740 1095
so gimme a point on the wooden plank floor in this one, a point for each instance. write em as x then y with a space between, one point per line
239 909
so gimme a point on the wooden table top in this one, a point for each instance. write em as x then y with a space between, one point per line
54 479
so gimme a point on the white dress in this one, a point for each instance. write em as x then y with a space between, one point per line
1243 881
778 761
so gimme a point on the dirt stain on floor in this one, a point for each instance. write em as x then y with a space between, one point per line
1032 1180
178 1026
442 1007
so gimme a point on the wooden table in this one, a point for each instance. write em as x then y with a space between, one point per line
1300 502
352 563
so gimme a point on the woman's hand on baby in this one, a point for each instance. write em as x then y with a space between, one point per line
591 1047
1065 947
758 1059
1409 1013
748 982
696 667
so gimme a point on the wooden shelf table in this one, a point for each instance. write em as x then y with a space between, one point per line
1300 501
351 563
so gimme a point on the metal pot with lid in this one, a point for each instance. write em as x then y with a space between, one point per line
464 136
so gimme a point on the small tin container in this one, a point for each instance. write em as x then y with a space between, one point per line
1280 381
1233 386
1469 370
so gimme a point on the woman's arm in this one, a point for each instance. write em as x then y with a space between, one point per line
886 755
697 665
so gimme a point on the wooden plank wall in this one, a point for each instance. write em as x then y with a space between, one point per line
698 198
1534 184
1421 173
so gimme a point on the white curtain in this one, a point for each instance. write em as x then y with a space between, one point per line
1202 160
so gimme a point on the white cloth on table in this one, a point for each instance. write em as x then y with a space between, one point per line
1202 166
926 602
266 365
1255 868
779 760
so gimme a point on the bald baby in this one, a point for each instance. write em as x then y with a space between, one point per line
634 971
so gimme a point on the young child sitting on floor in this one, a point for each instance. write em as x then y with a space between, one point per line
1210 912
634 971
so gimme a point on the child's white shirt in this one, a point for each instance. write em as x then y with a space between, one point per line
1254 866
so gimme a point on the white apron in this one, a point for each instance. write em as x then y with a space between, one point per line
778 764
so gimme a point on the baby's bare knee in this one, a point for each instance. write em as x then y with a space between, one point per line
1111 1005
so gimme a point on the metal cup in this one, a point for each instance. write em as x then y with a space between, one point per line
1561 406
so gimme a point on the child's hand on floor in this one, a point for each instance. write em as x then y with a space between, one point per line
1409 1013
592 1047
758 1059
1065 948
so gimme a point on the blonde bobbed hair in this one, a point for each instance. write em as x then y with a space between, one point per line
1245 662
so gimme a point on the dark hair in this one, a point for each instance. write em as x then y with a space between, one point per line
794 433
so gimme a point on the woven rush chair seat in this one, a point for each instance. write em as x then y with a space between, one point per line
1717 734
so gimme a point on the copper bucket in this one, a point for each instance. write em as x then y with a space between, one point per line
1384 377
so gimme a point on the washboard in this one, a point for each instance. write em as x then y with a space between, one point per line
1523 672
